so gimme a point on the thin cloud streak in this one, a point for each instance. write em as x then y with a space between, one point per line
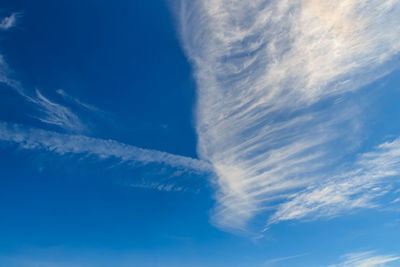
366 259
270 75
77 101
272 262
36 139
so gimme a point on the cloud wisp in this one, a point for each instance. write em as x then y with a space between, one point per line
37 139
57 114
273 76
77 101
272 262
366 259
8 22
49 112
353 189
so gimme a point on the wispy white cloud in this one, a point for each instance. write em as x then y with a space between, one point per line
36 139
77 101
4 75
49 112
397 200
56 114
160 187
367 259
272 262
356 188
273 76
9 22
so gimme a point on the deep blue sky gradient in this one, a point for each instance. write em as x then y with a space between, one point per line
124 57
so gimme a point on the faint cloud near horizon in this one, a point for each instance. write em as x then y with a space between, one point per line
366 259
271 262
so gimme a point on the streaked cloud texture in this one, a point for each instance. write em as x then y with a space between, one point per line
33 139
367 259
273 113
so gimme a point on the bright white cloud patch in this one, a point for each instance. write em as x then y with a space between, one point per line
272 78
367 259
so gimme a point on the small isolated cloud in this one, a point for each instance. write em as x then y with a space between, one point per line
367 259
8 22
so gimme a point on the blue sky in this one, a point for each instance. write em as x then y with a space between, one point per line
199 133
